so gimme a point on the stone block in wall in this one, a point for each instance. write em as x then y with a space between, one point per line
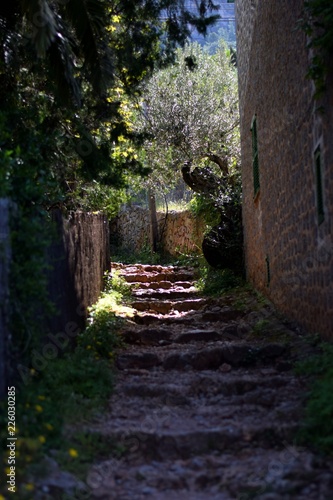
131 228
181 232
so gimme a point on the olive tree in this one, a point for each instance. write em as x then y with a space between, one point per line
189 112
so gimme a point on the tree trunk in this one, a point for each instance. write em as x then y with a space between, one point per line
153 221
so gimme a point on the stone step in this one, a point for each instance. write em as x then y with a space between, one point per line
151 277
143 268
256 388
209 358
144 318
180 334
147 336
164 285
151 318
148 443
254 473
154 336
162 294
167 306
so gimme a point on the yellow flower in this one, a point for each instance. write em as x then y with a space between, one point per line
116 19
29 486
39 408
49 427
42 398
73 453
2 497
41 439
88 346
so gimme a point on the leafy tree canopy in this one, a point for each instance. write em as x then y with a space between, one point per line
189 112
65 69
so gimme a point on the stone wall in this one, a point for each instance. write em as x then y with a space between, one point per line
181 232
78 258
288 252
130 230
178 231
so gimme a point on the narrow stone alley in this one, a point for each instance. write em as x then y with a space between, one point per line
206 403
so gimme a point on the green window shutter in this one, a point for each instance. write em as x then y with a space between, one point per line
255 162
268 270
319 186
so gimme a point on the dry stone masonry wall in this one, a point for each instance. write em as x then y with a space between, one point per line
78 258
178 231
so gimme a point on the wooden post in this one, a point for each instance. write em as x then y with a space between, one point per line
5 256
153 220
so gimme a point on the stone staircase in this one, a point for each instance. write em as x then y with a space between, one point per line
204 407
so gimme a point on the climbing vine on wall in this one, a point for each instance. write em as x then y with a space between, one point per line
317 23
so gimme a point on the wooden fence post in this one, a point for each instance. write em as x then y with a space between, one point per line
5 256
153 221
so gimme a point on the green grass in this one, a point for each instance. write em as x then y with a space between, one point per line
317 428
215 282
176 206
146 256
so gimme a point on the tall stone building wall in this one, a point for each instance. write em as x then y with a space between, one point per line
288 247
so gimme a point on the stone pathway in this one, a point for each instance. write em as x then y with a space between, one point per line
206 404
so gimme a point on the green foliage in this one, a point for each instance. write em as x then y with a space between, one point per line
317 428
144 256
96 197
227 34
25 180
89 447
66 392
215 282
78 384
106 317
317 23
116 285
201 206
260 327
